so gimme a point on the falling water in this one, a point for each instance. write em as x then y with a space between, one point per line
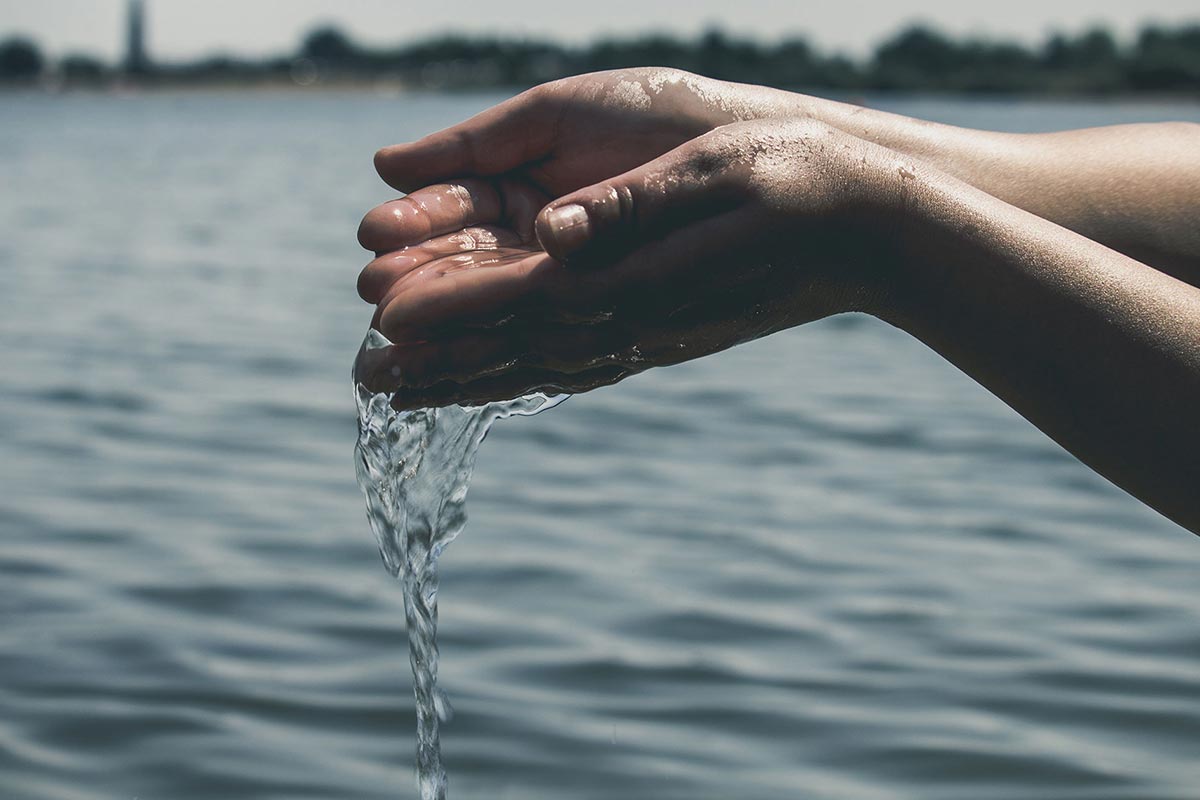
414 468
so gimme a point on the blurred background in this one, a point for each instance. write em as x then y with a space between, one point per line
823 565
1092 46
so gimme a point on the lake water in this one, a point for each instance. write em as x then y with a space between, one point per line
823 565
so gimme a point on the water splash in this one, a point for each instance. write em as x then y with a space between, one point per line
414 467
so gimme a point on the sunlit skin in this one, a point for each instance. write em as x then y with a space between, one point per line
605 224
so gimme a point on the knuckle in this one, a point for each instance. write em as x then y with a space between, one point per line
811 128
815 136
612 206
623 199
473 148
542 94
468 145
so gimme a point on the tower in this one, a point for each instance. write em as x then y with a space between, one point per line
136 60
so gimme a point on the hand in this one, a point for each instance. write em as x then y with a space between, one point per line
569 133
539 145
749 229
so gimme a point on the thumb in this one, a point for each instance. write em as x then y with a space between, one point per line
625 211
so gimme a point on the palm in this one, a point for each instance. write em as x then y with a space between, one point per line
464 261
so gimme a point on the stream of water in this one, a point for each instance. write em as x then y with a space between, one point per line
414 467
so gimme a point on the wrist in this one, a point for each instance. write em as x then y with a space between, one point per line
938 227
898 202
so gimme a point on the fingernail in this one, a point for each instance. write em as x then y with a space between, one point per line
569 225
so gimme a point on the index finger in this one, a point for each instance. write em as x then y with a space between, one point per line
502 138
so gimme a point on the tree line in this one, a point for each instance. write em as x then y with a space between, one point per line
918 58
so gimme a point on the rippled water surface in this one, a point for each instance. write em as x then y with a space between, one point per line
824 565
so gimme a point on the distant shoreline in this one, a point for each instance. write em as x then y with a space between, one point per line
400 87
1162 63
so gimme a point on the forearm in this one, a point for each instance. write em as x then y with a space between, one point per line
1134 188
1099 351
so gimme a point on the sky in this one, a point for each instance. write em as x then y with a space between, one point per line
181 29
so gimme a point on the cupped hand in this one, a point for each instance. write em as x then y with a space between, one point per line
502 165
743 231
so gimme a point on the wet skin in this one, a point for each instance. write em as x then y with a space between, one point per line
602 225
